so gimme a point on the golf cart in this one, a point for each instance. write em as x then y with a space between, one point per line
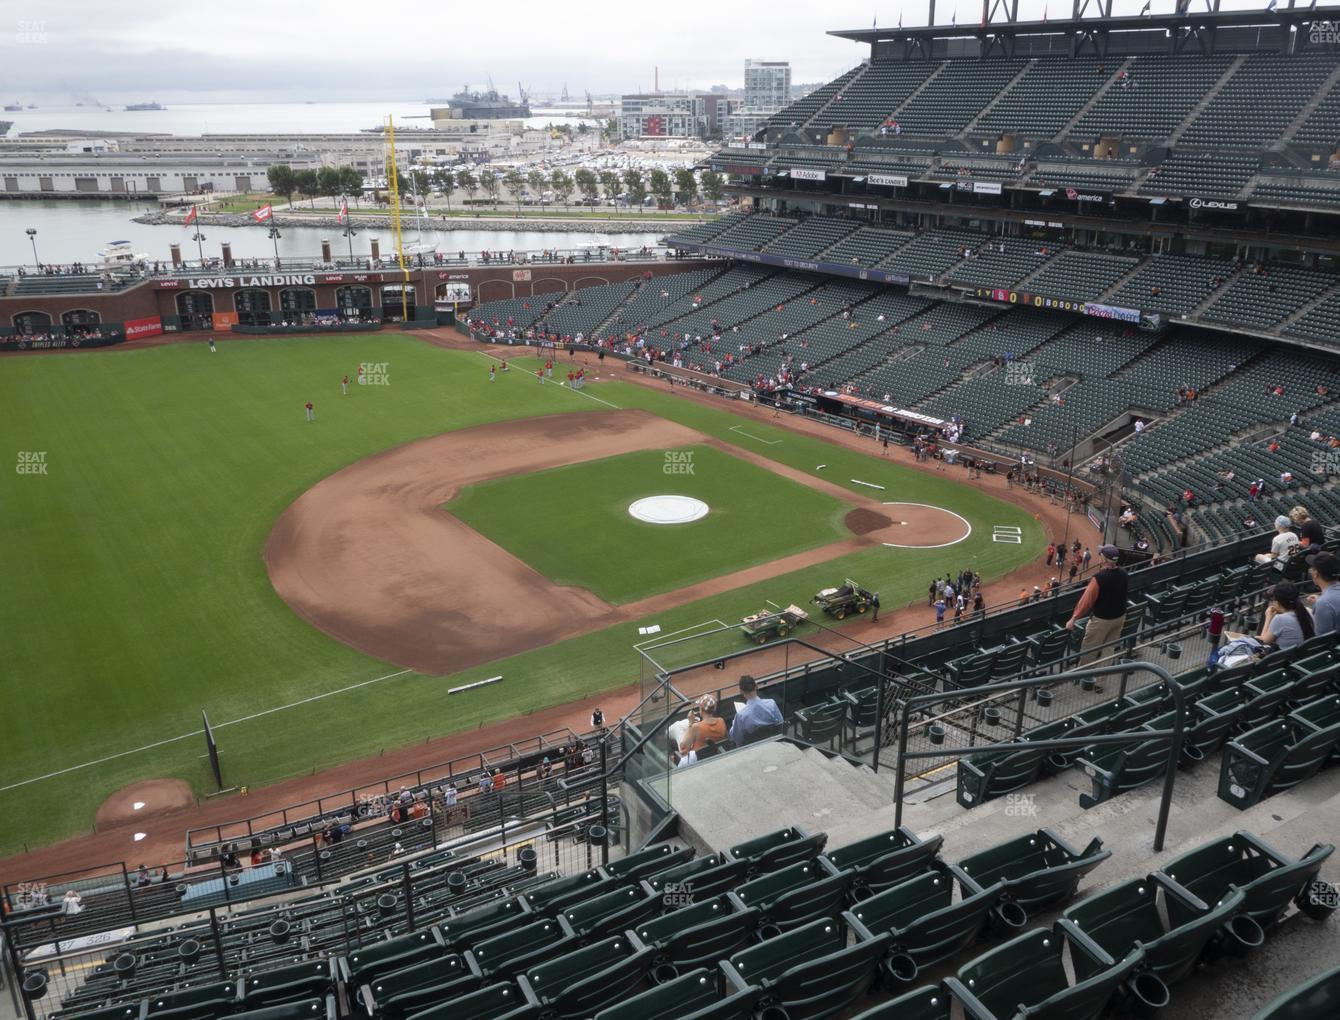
849 598
769 623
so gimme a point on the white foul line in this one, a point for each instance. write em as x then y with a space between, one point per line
196 733
758 439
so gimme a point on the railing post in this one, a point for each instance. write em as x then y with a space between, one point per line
17 966
130 893
604 800
316 856
408 886
218 942
898 781
879 718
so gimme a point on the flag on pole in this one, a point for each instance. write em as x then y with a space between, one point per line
1145 9
344 211
263 214
900 19
874 22
1270 6
1045 8
190 216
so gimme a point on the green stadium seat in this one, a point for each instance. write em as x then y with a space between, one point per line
883 860
810 972
650 861
794 896
1279 755
700 879
696 995
366 962
613 912
1026 978
398 993
779 849
1172 926
923 922
1114 769
288 984
521 948
699 935
579 984
121 1011
1317 999
990 774
929 1003
1270 879
1035 870
496 1002
552 897
216 999
482 922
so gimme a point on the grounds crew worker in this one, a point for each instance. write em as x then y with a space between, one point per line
1104 602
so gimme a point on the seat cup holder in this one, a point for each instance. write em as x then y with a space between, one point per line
1010 915
1243 934
768 930
903 968
773 1012
664 972
1148 993
35 985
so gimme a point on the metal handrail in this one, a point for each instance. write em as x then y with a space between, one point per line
1057 744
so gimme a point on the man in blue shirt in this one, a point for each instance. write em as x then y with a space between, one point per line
756 714
1324 568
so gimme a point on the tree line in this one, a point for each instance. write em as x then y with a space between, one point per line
682 187
325 182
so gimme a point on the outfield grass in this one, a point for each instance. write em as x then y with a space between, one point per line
546 518
135 594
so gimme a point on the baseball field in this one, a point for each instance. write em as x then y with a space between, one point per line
179 537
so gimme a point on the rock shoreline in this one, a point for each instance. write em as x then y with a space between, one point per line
379 222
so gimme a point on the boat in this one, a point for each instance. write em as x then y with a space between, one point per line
145 106
488 105
119 254
11 107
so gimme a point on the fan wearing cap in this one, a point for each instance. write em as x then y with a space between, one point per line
1283 544
1324 569
1104 602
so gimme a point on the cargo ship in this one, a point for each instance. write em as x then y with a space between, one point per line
145 106
488 105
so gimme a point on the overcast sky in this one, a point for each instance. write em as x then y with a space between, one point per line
339 49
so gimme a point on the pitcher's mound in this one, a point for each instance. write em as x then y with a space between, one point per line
153 797
862 521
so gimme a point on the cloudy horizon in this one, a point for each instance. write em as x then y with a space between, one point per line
78 50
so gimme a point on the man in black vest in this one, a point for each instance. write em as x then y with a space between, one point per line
1104 602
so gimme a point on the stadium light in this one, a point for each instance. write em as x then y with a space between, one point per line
32 238
275 235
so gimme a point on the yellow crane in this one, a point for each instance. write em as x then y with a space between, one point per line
393 187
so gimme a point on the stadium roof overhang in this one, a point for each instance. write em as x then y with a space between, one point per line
1282 16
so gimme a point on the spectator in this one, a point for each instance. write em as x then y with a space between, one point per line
704 726
1324 569
1310 533
1104 602
450 794
499 781
142 876
755 714
72 903
1283 545
1288 623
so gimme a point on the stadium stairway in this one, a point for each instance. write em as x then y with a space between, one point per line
1207 99
1311 105
1302 312
1095 98
748 793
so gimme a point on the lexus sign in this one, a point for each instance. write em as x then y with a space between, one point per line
1208 203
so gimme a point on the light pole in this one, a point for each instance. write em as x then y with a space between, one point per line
199 240
275 235
32 238
349 233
